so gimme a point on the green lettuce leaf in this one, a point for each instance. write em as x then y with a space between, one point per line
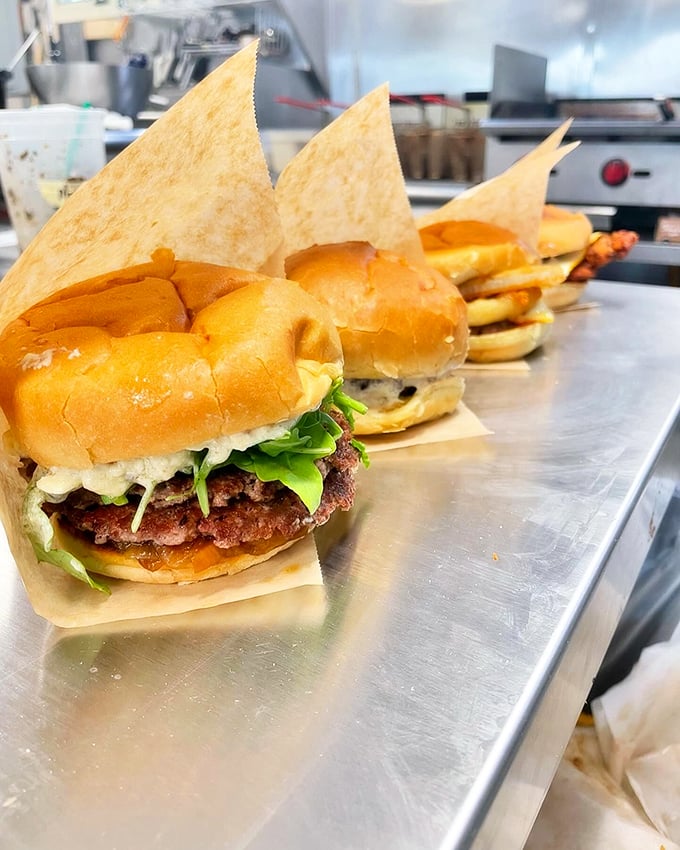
347 405
290 457
39 531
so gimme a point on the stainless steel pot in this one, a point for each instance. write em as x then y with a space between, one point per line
119 88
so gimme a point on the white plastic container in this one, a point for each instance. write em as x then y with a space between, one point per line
46 152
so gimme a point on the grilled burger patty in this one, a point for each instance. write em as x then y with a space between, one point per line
243 509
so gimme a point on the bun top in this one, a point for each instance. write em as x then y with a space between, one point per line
395 319
562 231
161 357
468 249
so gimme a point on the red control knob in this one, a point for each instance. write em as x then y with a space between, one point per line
615 172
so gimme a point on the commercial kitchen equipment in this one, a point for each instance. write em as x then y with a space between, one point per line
119 88
424 700
624 174
125 45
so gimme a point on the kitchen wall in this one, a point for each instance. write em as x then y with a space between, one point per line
595 48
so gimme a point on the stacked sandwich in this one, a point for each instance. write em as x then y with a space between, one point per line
174 412
351 242
486 241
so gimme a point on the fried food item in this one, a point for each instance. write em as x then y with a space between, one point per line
606 248
567 243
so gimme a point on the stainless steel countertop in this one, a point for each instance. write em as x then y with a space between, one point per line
424 701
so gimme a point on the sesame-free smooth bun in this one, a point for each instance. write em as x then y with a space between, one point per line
562 231
511 340
395 319
508 344
161 357
501 281
431 400
562 243
463 250
564 294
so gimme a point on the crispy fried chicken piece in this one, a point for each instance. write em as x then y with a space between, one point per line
607 248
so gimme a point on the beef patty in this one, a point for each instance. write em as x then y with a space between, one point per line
243 509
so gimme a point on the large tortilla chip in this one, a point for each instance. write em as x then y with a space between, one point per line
347 184
514 199
195 182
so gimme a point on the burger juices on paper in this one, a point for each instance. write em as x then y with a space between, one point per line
352 243
486 241
171 417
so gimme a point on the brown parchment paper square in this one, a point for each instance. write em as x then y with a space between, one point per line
459 425
579 305
305 606
516 366
69 603
195 182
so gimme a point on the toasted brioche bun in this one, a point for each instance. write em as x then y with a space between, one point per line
563 239
529 331
463 250
483 259
168 564
562 231
430 402
395 319
564 294
161 357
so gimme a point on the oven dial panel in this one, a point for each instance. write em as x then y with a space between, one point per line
615 172
639 173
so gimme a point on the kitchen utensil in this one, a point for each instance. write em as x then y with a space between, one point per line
118 88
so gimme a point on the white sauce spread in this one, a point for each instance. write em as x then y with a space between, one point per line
383 393
114 479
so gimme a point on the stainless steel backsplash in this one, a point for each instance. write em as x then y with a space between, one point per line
595 48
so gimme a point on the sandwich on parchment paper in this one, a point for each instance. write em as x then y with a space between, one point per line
171 417
486 241
351 242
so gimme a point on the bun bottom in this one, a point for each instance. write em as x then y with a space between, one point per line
430 402
510 344
563 295
169 565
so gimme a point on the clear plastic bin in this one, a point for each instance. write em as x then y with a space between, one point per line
46 153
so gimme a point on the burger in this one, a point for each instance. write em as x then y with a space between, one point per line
568 244
501 280
402 327
175 421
